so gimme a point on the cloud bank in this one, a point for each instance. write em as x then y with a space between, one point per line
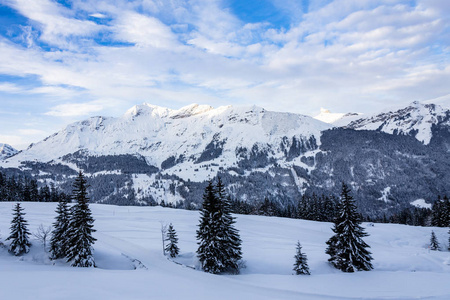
62 62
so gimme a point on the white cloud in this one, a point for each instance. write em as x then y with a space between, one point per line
144 31
56 21
358 54
9 88
31 131
74 109
14 140
98 16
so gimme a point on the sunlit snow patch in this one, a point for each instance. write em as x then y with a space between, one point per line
421 203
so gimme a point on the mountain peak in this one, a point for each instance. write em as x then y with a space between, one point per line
417 119
190 110
327 116
148 110
6 151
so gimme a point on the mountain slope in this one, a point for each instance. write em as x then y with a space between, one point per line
416 120
337 119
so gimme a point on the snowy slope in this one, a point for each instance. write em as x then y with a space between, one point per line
327 116
6 151
403 266
337 119
417 119
157 133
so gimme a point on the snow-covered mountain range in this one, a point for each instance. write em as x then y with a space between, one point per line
416 119
151 154
193 134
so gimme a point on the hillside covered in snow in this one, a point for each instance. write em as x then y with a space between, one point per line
128 253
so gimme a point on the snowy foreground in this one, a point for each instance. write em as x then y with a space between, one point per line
404 267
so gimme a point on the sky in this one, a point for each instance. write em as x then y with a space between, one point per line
64 61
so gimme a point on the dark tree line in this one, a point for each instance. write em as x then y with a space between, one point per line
324 208
315 208
440 216
26 189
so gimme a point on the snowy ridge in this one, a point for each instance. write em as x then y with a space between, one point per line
158 133
417 120
6 151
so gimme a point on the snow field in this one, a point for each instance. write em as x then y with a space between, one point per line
403 266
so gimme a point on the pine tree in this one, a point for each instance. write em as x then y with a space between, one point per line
231 241
79 233
219 242
59 240
346 248
434 244
207 251
172 238
19 233
301 262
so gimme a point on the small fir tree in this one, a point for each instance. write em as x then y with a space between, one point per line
59 239
346 247
301 262
434 244
172 238
20 243
79 233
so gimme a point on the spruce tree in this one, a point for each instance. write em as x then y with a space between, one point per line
20 243
434 244
79 233
207 251
346 247
219 242
231 241
172 238
59 240
301 262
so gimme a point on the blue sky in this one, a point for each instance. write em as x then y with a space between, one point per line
63 61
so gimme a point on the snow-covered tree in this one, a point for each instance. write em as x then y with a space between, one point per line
79 233
434 244
20 243
346 247
301 262
59 239
172 238
219 242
